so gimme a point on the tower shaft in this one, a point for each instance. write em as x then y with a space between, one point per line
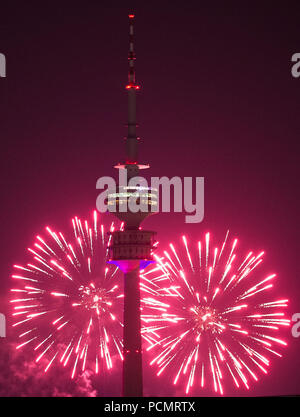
132 365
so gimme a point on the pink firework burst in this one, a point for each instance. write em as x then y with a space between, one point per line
67 304
215 318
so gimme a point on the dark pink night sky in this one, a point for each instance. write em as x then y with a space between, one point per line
217 100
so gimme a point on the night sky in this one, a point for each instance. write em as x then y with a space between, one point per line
217 100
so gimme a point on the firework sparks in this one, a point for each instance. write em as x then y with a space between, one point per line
67 304
214 321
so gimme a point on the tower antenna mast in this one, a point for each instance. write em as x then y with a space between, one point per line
132 140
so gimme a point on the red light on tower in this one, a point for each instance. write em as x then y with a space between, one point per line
136 87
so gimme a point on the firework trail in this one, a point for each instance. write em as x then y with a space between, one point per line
67 304
215 321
